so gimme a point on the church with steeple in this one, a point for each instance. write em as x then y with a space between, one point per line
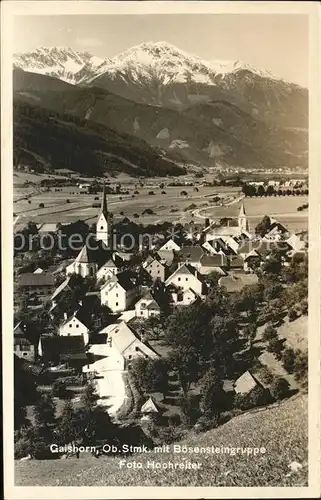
103 228
243 223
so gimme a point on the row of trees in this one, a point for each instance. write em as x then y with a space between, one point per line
251 190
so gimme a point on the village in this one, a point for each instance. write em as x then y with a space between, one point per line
104 312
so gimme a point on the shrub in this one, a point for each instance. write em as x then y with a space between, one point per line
96 198
59 389
136 216
257 397
183 193
269 333
279 388
151 192
67 201
292 314
206 423
41 205
148 211
304 307
163 192
276 347
29 201
136 192
288 359
121 213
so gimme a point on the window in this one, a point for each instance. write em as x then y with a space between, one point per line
77 326
101 228
116 294
141 313
136 348
70 325
130 356
116 303
186 279
178 279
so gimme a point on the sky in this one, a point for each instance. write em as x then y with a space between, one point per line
277 42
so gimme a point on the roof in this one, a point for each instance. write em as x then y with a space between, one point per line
236 261
235 283
83 315
84 256
125 281
245 383
150 406
242 211
262 246
64 285
103 208
174 244
39 270
47 228
166 255
224 231
38 279
253 253
217 260
109 263
193 253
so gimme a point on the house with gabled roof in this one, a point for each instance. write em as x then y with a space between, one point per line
119 292
76 325
246 383
186 277
191 254
170 245
167 257
25 342
41 284
155 268
147 307
84 264
107 270
149 408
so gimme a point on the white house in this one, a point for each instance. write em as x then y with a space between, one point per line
156 269
76 325
147 307
121 337
170 245
119 292
186 277
184 297
107 270
84 264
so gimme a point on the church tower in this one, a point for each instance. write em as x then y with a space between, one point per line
102 228
242 220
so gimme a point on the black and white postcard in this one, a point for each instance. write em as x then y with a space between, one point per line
161 249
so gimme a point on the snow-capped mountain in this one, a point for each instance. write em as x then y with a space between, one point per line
159 59
60 62
159 74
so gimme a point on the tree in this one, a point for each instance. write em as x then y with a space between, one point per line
288 359
279 388
213 395
260 191
304 307
183 193
276 347
89 397
45 411
190 410
250 333
292 314
264 226
67 429
59 389
269 333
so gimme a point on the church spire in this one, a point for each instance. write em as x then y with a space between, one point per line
242 211
103 209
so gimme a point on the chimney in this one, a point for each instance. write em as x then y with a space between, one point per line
207 222
65 316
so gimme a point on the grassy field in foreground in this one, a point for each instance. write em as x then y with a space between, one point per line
282 430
